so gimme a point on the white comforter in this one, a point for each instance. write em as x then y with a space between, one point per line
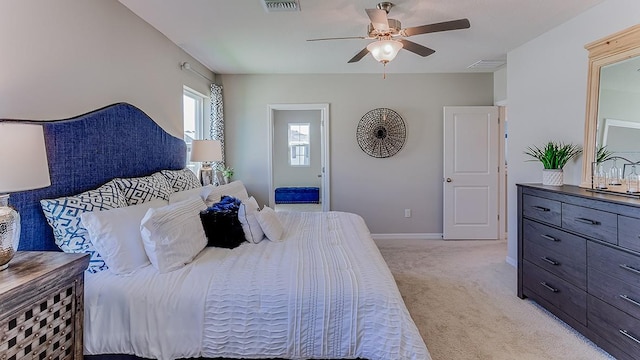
323 292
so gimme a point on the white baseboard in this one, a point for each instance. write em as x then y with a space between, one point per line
406 236
511 261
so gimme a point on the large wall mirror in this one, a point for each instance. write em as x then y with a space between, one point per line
613 99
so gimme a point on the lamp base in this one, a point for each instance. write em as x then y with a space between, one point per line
9 232
206 175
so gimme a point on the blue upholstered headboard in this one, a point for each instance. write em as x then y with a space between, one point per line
84 152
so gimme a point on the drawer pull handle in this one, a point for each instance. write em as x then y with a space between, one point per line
551 238
625 333
551 288
587 221
550 261
630 268
625 297
541 208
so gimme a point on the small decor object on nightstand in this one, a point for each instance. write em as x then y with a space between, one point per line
23 166
227 172
207 152
553 156
381 133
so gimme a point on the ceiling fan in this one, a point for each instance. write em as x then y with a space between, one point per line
391 36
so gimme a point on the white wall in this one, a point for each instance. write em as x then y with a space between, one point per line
377 189
67 57
500 85
546 90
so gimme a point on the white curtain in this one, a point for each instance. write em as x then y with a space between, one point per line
217 120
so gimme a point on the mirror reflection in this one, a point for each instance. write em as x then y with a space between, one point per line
618 125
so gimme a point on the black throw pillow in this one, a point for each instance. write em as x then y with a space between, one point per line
221 224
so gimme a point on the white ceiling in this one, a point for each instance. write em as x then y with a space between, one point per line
240 37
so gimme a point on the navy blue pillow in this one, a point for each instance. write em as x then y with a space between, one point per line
221 224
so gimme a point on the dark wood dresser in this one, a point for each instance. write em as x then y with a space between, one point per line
579 257
41 306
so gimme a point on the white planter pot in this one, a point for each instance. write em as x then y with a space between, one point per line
552 177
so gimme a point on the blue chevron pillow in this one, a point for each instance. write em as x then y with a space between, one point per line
63 215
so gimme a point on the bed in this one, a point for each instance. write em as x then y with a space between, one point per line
322 292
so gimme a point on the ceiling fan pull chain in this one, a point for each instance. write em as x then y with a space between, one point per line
384 70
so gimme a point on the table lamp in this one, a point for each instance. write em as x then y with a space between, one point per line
23 166
207 152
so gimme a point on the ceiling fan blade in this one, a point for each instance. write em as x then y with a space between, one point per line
359 56
416 48
443 26
339 38
378 19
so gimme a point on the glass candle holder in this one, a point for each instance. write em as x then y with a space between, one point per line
601 177
615 174
633 181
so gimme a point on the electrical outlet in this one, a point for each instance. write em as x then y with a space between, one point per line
407 213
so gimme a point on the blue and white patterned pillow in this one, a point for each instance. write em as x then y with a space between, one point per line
181 180
63 215
142 189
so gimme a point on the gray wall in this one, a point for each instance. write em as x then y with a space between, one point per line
67 57
547 87
283 173
377 189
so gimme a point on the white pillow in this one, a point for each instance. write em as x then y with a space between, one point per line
173 235
234 188
202 192
247 217
116 235
270 224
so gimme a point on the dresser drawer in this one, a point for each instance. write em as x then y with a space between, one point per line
553 239
570 267
615 292
564 296
542 209
597 224
629 232
616 263
615 326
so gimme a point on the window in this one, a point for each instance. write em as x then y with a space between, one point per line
193 116
299 144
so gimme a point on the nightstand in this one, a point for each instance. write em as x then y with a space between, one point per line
41 306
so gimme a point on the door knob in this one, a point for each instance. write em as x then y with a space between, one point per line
449 180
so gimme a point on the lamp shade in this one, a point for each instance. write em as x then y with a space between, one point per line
206 150
23 157
384 50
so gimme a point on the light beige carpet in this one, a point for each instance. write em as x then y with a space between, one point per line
462 297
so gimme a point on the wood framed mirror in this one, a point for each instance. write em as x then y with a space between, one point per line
614 66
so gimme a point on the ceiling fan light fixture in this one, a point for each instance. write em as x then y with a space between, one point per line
384 50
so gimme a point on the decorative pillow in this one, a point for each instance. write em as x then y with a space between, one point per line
181 180
63 215
202 192
234 188
145 188
116 235
221 224
173 235
270 223
250 225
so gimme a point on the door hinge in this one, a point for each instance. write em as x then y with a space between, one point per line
498 217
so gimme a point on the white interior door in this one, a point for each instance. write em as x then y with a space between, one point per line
471 153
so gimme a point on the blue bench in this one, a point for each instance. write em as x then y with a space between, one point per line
298 195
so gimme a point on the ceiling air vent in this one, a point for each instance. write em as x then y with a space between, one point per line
274 5
487 64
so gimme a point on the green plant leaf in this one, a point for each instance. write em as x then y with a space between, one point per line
554 155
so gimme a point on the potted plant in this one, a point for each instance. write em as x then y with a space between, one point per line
553 156
227 172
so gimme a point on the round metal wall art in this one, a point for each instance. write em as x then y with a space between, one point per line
381 133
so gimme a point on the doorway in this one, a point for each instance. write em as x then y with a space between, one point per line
299 157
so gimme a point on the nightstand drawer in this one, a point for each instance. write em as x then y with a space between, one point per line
629 232
542 209
566 297
597 224
570 267
615 326
616 263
